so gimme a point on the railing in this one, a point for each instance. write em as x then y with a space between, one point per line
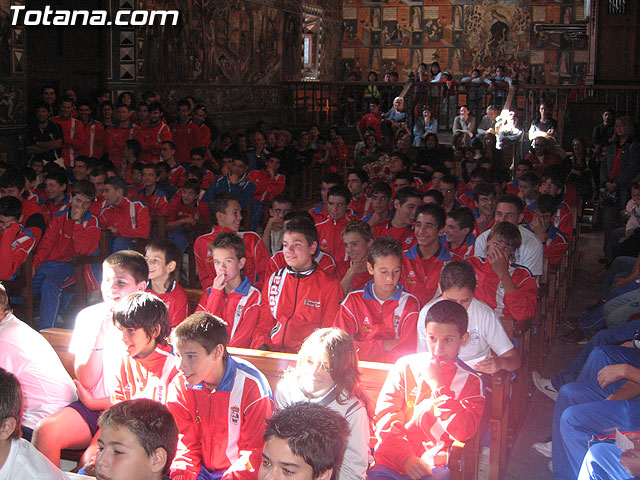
578 108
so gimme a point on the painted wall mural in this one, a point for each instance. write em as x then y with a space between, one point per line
462 35
12 70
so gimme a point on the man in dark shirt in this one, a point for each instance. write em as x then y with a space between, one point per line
44 138
603 132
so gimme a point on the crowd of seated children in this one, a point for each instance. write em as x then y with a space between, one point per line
215 389
326 373
232 296
381 317
226 214
162 258
97 346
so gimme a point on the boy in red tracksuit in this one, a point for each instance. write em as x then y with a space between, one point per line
400 227
185 134
428 400
152 135
226 209
93 135
186 210
299 298
330 229
199 116
177 173
511 290
72 131
458 237
269 184
553 184
73 231
55 188
150 194
16 241
219 402
381 317
358 183
118 134
554 242
198 157
319 212
423 262
162 259
12 184
232 296
125 219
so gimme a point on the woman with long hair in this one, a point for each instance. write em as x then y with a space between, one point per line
327 373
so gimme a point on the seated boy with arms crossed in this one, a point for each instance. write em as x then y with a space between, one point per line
220 404
232 296
19 460
98 348
429 400
138 441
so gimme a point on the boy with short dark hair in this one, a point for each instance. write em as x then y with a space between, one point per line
380 204
553 184
235 182
429 400
299 298
423 262
273 231
225 208
144 432
400 227
554 242
307 438
19 459
357 183
458 229
162 258
186 209
319 212
485 201
125 219
152 134
16 241
72 232
476 177
152 196
510 289
330 229
382 316
55 189
232 296
199 158
177 173
215 389
528 193
448 188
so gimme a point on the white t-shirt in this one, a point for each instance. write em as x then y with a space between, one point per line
46 385
88 323
485 330
530 253
26 463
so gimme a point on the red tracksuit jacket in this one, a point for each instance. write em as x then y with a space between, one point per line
177 175
72 135
65 239
178 210
370 321
255 250
330 236
266 187
325 262
359 279
220 429
411 419
157 201
186 137
177 302
151 138
240 309
294 304
130 216
30 207
93 139
404 235
50 209
520 305
420 276
16 243
116 137
361 205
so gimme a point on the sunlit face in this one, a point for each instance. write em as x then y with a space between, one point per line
444 339
82 202
280 209
462 296
112 195
280 463
380 203
314 371
149 177
337 206
297 252
486 205
547 187
407 211
355 185
464 111
122 457
426 230
137 342
395 164
231 217
227 264
398 104
386 274
53 189
454 233
355 246
118 283
196 364
159 269
506 212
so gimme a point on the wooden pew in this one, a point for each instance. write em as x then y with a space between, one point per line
22 287
463 460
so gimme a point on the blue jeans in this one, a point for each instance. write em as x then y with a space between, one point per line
608 336
380 472
620 268
602 462
581 411
624 303
120 243
47 282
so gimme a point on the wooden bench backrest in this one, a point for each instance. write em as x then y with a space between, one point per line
272 364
